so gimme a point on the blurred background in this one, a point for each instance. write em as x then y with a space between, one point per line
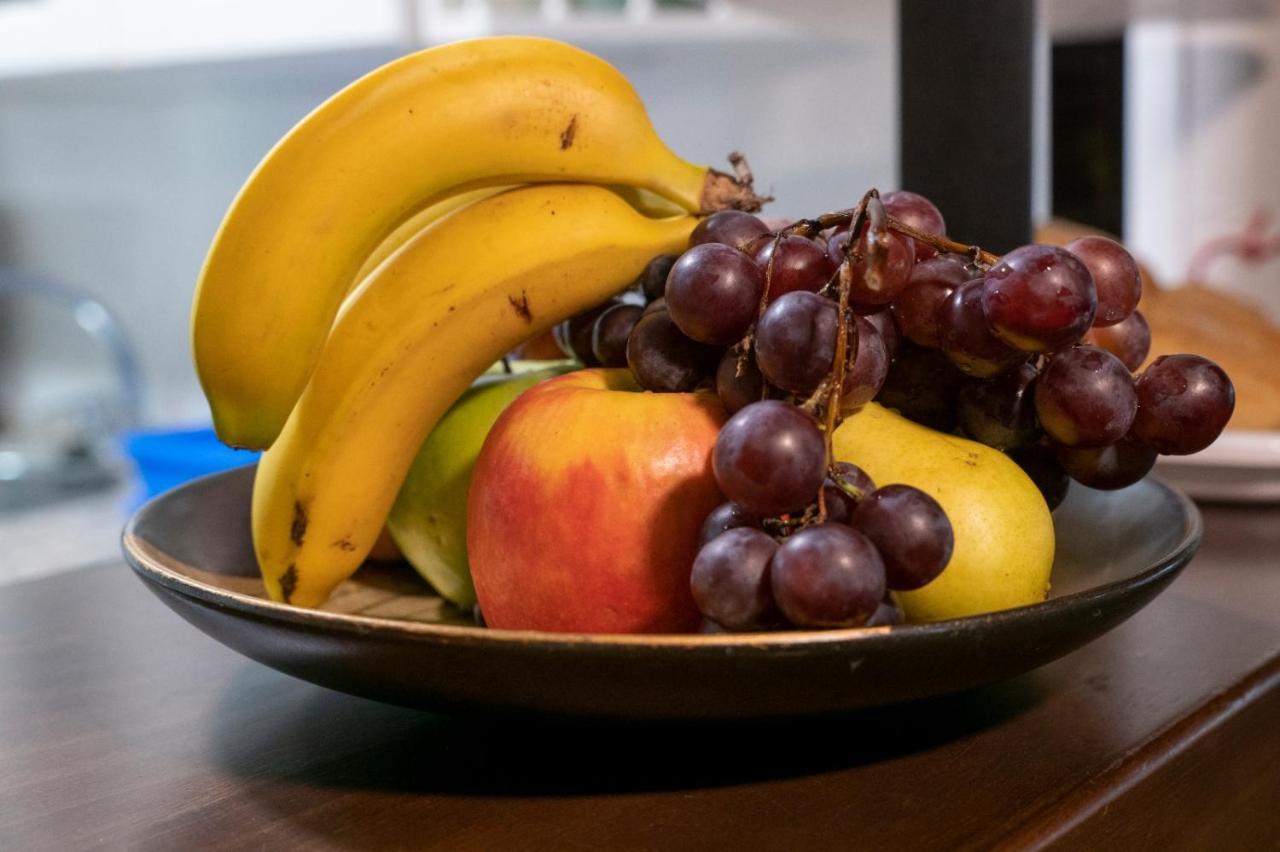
127 126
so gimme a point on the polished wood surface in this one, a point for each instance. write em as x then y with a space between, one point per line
122 726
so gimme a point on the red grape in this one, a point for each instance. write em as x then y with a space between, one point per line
911 531
922 384
827 576
888 328
770 458
967 339
796 341
801 264
1000 412
663 359
887 614
726 516
1039 298
1085 398
738 381
865 372
1115 276
610 332
713 292
898 261
917 307
728 227
1107 468
840 503
1184 403
730 579
573 335
653 280
1129 340
1040 463
918 212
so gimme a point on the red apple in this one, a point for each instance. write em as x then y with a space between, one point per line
585 506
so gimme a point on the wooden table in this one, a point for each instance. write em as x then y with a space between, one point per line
122 726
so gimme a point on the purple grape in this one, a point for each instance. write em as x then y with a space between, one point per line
1000 412
865 373
1039 298
663 359
888 328
1040 464
887 614
1129 340
911 531
770 458
917 212
1107 468
917 307
738 381
1184 403
801 264
573 335
730 579
796 341
1115 277
726 516
655 305
1085 398
967 339
653 280
845 476
728 227
899 259
610 333
713 292
922 385
827 576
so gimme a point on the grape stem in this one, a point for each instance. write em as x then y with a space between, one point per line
839 218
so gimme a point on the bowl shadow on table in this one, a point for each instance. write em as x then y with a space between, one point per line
319 738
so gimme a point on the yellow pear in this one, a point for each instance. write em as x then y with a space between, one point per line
1003 530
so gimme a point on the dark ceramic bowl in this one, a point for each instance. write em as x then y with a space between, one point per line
385 635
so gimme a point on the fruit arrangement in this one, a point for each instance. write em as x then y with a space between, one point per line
841 421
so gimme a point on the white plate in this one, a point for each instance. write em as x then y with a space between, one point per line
1239 467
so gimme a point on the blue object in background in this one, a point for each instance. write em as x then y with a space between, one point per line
166 458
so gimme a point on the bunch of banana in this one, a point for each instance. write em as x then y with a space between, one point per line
413 229
425 128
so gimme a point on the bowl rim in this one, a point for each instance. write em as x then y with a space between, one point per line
141 557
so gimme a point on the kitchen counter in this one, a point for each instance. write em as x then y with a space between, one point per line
122 726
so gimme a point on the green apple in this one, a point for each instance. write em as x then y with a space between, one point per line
429 519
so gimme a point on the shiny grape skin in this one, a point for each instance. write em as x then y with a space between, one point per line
1000 412
796 341
726 516
1040 463
1115 277
865 374
1129 340
730 579
610 333
1117 465
573 335
888 328
713 293
967 339
653 279
922 385
917 306
801 264
911 531
770 458
898 263
1184 403
1085 397
918 212
663 359
736 391
1039 298
728 227
827 576
840 503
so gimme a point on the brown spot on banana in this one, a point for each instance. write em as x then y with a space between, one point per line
298 528
521 307
288 582
566 135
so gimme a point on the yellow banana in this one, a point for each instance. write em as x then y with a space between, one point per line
409 341
492 111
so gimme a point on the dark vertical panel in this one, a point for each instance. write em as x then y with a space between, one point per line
1088 132
966 88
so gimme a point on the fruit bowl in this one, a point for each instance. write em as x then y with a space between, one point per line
385 635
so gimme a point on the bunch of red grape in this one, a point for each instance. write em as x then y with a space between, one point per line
1031 353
